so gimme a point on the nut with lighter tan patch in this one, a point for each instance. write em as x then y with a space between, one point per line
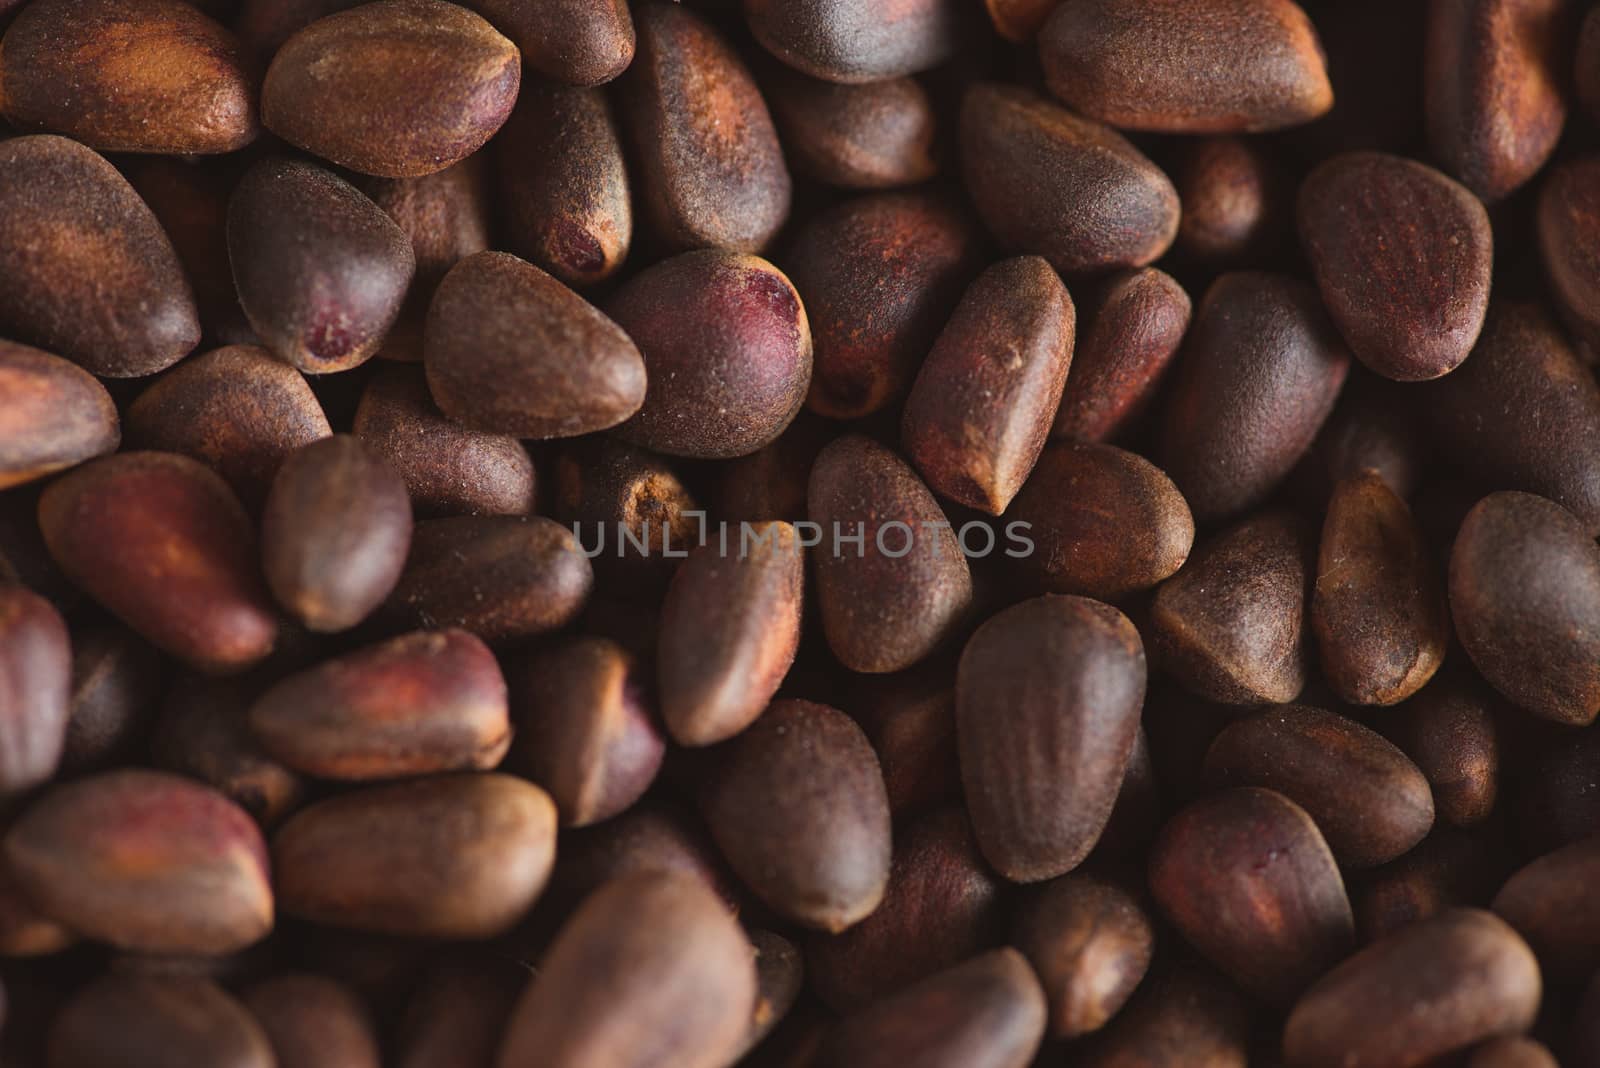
423 703
53 415
129 76
711 170
397 88
984 401
144 860
182 571
566 201
460 856
90 274
1248 880
586 729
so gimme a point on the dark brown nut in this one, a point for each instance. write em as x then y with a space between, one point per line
1074 191
650 972
631 512
875 136
415 705
1569 240
650 836
585 731
1231 625
1018 20
397 89
1524 410
313 1022
128 76
1213 66
203 732
841 42
1090 941
498 576
798 808
321 270
910 719
35 689
1494 78
780 979
1186 1014
126 1018
335 532
986 1013
890 597
116 679
510 350
146 861
727 347
942 906
1402 256
90 275
1079 505
447 469
447 217
1437 986
563 184
53 415
1525 594
181 570
1237 200
457 1013
452 856
236 410
1132 334
1511 1053
1449 730
711 172
1551 904
879 275
730 628
1048 697
1447 869
1369 800
1378 606
983 403
1247 879
1260 371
